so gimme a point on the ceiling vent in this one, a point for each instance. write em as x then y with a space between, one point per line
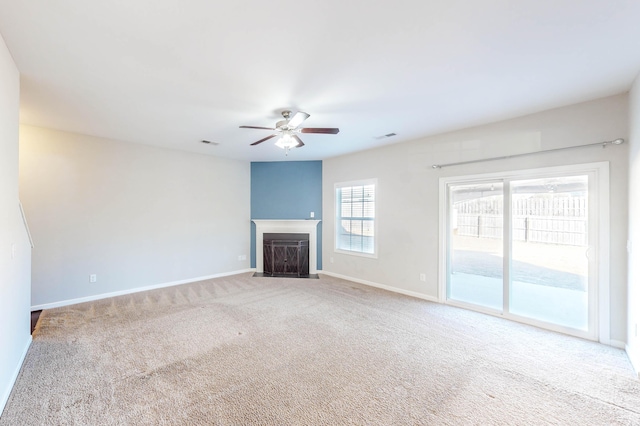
388 135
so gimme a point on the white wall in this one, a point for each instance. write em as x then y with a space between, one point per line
15 250
134 215
408 190
633 339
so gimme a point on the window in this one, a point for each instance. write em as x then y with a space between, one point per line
355 217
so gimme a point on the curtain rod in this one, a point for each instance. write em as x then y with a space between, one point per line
618 141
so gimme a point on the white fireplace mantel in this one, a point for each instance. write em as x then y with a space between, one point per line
303 226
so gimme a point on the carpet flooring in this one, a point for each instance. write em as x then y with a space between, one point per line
243 350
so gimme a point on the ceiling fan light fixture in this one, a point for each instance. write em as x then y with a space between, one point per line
286 141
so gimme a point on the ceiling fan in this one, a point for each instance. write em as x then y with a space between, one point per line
289 128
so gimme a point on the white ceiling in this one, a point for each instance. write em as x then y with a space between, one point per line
171 73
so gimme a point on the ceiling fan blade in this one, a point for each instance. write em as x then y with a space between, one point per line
297 119
300 143
256 127
263 139
324 130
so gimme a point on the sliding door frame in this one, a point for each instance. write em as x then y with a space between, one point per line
599 231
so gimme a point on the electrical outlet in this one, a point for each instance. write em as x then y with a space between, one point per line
93 278
331 259
312 214
423 277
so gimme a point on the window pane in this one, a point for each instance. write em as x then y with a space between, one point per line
357 192
357 209
356 227
549 272
369 192
367 236
345 227
476 259
368 209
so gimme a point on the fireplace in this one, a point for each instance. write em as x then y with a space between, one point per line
308 227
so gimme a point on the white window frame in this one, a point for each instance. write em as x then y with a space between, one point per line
598 192
337 217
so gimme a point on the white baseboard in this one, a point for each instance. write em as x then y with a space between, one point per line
384 287
133 290
616 344
14 377
634 357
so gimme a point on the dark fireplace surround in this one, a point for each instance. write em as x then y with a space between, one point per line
286 255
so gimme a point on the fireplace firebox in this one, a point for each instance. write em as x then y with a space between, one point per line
286 254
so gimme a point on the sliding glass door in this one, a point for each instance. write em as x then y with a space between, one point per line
524 246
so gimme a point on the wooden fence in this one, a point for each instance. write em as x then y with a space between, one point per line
561 220
539 229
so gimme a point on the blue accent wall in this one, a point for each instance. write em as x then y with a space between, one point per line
286 190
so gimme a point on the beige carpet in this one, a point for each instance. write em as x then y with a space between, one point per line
277 351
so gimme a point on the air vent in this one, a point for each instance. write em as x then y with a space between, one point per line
388 135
